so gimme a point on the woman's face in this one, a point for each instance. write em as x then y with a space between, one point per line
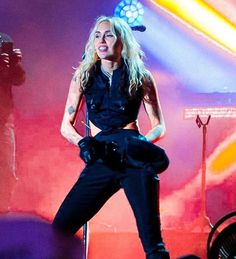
106 43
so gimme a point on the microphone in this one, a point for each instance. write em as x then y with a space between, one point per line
140 28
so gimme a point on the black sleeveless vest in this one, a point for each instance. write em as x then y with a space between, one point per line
109 105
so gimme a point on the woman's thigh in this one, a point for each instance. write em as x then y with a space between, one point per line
96 184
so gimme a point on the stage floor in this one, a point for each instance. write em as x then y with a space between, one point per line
127 245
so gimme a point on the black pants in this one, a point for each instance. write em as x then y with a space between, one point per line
98 182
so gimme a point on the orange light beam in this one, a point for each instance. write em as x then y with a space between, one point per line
204 18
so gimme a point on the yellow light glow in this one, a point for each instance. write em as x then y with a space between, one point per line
204 18
225 159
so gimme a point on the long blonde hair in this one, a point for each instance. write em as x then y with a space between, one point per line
132 54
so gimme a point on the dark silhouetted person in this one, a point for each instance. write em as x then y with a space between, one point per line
11 73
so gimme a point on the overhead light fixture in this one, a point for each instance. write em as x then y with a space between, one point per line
132 12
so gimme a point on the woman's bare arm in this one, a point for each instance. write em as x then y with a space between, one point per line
154 112
73 105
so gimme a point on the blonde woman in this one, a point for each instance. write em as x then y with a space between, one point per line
114 82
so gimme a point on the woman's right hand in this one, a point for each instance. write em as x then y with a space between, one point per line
88 149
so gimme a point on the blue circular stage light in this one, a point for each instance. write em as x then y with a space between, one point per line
131 11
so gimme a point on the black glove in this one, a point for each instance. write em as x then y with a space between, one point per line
88 149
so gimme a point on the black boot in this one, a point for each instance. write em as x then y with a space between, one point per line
159 253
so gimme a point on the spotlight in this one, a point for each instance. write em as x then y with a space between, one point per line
132 12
